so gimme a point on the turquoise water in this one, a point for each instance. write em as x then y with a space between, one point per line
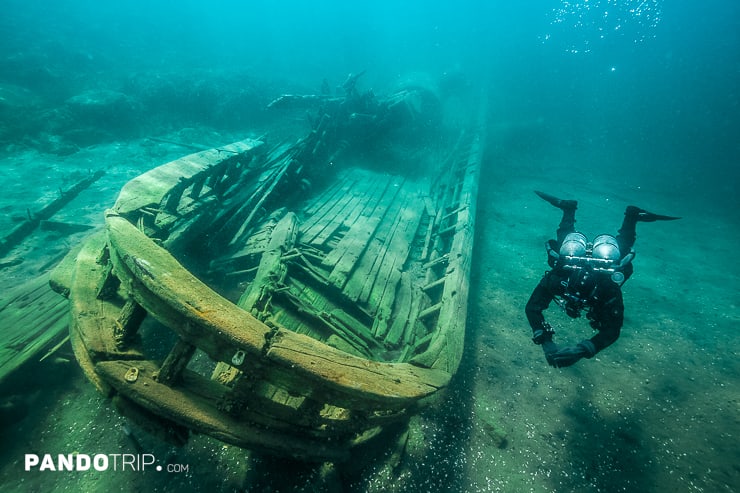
608 102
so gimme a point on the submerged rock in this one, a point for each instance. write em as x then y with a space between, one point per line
54 144
13 98
18 109
105 108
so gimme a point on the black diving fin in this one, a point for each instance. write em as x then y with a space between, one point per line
647 217
559 203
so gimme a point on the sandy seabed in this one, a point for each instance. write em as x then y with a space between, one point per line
658 411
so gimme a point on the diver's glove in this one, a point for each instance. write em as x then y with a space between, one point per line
550 349
570 355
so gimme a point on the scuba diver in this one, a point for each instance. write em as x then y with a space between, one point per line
585 276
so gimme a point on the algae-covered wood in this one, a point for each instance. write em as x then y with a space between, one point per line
295 300
149 189
33 319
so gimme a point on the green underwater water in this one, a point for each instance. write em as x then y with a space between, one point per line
646 118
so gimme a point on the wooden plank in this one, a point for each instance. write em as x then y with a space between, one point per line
383 257
307 291
27 310
254 245
330 225
359 285
384 303
354 285
352 246
313 224
414 329
429 311
275 179
368 189
298 297
270 270
27 226
24 293
446 346
431 213
92 318
127 324
324 198
355 243
284 318
356 327
322 319
170 373
309 268
433 285
231 214
34 318
384 276
348 381
202 414
150 188
399 245
180 300
402 310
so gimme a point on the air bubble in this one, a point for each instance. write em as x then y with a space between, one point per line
581 25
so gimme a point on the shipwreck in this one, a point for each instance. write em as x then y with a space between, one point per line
297 298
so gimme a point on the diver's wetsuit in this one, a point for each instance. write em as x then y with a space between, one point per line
605 306
604 301
596 290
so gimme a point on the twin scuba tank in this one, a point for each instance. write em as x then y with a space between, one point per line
602 257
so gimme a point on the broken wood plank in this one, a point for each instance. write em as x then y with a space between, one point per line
311 270
271 271
324 324
56 348
24 339
34 219
258 198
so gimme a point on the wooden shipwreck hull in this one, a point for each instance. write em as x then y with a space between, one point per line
295 300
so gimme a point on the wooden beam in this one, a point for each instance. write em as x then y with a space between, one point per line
34 219
127 323
175 363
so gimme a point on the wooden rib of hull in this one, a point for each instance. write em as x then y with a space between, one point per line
353 314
